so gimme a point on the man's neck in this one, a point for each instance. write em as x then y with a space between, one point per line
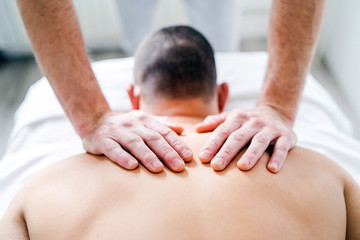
187 122
190 108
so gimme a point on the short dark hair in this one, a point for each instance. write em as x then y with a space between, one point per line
176 62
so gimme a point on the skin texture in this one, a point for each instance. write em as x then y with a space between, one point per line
293 33
56 38
86 197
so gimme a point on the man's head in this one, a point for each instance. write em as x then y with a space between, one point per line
175 68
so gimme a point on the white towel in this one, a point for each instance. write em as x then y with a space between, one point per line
42 134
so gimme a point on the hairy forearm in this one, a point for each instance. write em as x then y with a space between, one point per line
293 33
55 34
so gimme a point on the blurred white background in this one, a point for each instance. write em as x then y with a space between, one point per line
336 64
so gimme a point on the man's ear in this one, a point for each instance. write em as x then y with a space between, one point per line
222 95
134 96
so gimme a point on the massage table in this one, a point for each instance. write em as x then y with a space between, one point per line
42 134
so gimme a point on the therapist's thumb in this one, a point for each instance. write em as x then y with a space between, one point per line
173 126
176 128
211 122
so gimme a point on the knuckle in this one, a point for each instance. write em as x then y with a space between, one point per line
272 125
282 148
256 122
143 117
168 153
227 152
238 136
133 139
151 136
164 131
110 148
177 145
164 146
122 157
253 153
261 139
222 131
127 124
212 146
147 157
240 115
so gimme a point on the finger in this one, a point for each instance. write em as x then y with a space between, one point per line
136 146
281 149
210 123
173 139
115 153
176 128
258 146
217 139
236 141
164 120
162 149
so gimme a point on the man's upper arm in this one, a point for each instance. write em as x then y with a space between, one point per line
352 198
13 225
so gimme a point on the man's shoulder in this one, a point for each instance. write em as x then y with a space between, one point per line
68 173
65 191
314 162
313 166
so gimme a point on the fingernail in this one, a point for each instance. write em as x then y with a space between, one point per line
219 161
156 164
205 155
186 153
243 163
178 163
131 164
274 166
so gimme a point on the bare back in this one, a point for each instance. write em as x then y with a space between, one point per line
89 197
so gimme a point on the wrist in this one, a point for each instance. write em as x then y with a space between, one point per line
281 91
86 121
288 113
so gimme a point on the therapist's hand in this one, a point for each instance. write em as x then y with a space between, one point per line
124 138
261 127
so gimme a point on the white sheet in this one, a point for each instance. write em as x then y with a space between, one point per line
43 135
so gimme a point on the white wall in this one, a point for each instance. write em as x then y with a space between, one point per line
101 26
13 37
98 18
339 45
253 21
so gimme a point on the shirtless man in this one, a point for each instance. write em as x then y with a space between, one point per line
87 197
